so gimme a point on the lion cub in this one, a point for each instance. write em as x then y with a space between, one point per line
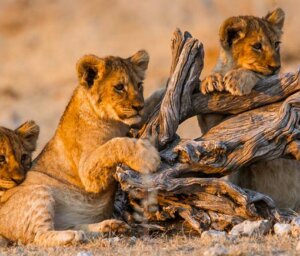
70 188
250 50
16 148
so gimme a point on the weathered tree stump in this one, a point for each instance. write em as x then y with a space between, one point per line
263 125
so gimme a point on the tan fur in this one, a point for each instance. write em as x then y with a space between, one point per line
238 69
16 148
279 178
70 189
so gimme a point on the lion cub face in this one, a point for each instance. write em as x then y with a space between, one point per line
254 43
115 85
16 149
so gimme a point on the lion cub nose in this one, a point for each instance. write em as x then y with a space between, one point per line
138 107
18 176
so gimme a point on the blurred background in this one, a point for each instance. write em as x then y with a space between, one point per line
41 40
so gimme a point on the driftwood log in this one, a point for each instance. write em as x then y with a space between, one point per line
188 184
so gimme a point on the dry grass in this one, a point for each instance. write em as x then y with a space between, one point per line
164 245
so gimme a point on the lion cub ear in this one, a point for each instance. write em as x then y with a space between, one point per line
89 68
140 61
276 18
232 30
29 133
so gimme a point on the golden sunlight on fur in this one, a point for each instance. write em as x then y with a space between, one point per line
70 189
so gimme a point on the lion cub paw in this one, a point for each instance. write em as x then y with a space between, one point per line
59 238
145 158
211 83
72 237
239 82
112 226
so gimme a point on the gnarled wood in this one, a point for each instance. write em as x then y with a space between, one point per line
186 66
266 133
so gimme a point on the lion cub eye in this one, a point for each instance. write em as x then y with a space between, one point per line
277 44
140 85
2 159
257 46
119 87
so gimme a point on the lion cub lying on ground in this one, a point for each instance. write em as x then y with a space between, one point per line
16 148
250 51
70 188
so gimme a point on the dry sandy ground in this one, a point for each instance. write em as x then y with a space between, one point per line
163 245
41 40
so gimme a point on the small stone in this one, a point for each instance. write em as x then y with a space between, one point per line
132 240
113 240
213 235
282 229
84 253
251 228
19 250
218 250
296 221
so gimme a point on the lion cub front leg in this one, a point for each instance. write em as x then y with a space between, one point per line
96 171
240 81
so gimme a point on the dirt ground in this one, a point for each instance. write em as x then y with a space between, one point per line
40 42
164 245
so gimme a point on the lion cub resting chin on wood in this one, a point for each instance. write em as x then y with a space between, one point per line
250 51
70 188
16 148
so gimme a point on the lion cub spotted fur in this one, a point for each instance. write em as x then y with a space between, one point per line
16 148
70 188
250 50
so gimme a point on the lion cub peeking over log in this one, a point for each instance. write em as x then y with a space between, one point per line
70 188
250 50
